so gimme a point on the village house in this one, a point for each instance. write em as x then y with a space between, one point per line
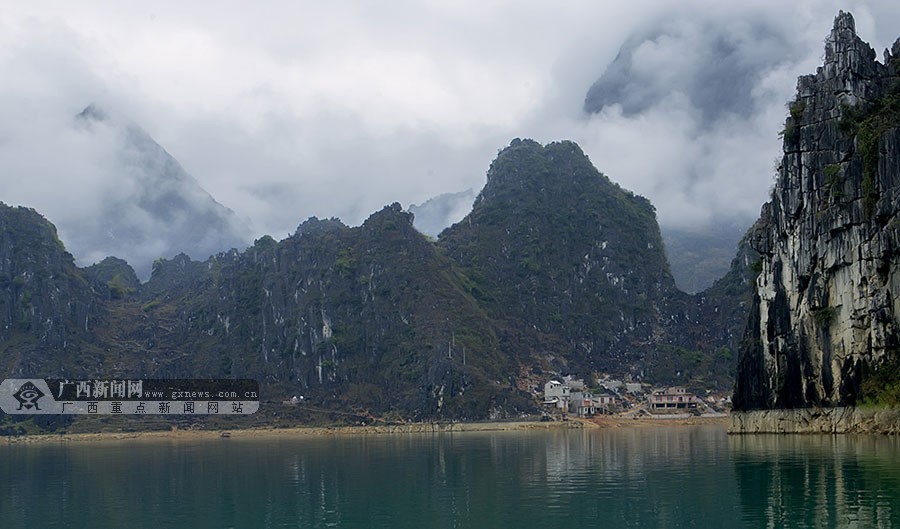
607 400
570 396
557 394
674 398
586 404
581 404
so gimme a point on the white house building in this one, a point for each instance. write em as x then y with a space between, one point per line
556 393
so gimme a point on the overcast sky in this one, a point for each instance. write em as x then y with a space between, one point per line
284 110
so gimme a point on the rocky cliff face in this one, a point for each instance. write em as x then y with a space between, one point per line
826 302
572 268
48 310
557 268
372 317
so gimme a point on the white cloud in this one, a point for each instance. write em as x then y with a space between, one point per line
284 110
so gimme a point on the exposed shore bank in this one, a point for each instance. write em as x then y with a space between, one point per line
302 431
322 431
816 420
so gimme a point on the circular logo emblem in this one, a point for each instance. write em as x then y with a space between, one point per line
28 396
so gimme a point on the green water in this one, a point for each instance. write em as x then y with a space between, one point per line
629 477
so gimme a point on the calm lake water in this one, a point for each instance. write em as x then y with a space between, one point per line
628 477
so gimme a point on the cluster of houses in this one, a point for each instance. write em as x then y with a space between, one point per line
571 396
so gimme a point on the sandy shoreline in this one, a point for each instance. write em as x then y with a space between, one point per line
320 431
299 431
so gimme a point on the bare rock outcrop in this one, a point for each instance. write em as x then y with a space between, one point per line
826 302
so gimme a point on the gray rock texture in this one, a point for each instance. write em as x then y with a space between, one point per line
816 420
826 301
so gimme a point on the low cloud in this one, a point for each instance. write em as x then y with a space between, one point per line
283 112
688 112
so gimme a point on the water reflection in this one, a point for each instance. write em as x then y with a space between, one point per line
629 477
818 480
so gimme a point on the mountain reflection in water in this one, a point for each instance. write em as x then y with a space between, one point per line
618 477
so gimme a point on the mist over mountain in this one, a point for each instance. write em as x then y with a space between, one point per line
699 257
706 79
717 66
154 208
717 69
274 136
442 211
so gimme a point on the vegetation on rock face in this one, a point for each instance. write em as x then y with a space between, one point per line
790 132
572 267
868 122
834 183
824 317
556 268
116 275
45 301
548 230
880 385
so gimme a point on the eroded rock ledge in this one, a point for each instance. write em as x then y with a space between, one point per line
816 420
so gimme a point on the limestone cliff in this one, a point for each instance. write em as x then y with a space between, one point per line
571 267
826 304
557 268
48 311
